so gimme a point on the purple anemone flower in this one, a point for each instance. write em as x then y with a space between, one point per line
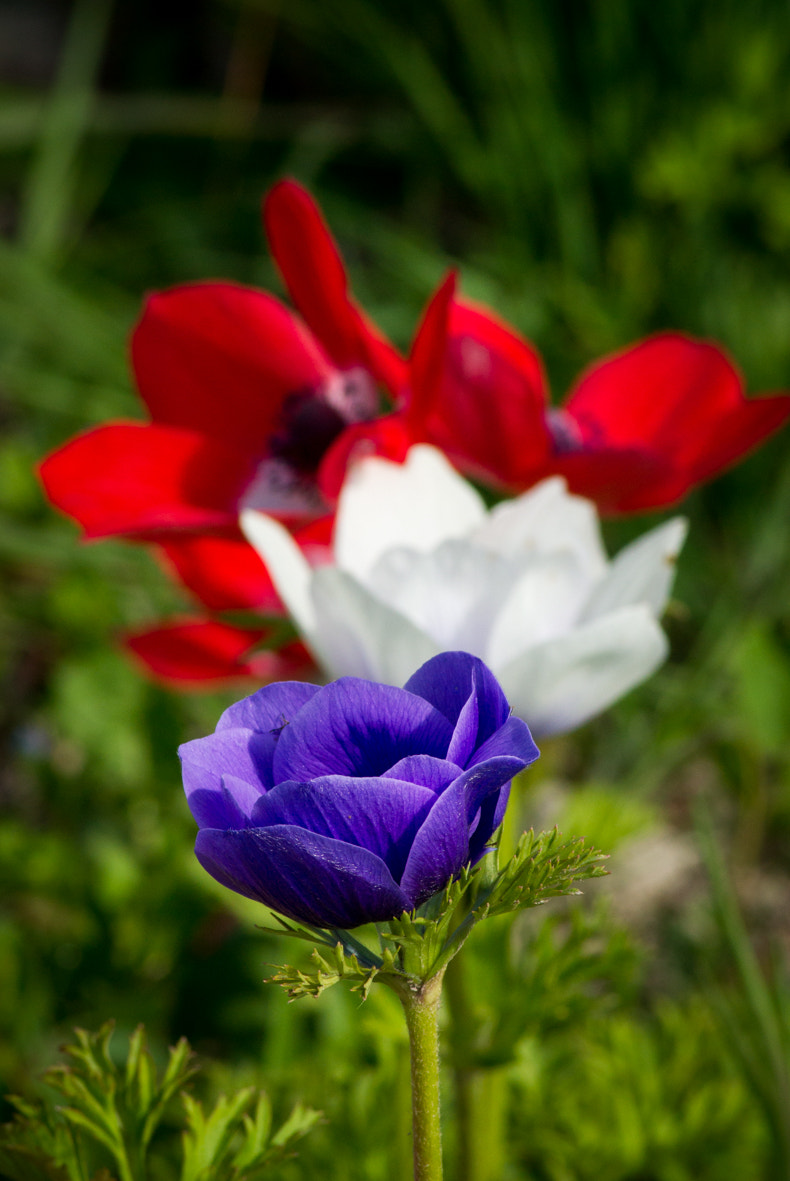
353 802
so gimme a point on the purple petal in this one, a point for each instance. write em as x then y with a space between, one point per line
230 807
425 771
266 713
381 815
272 707
480 783
242 797
441 848
513 739
204 761
491 815
486 799
464 739
448 680
304 876
502 801
355 727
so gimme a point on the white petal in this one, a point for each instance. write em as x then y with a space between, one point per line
546 519
643 572
357 635
542 603
290 572
558 685
452 593
417 504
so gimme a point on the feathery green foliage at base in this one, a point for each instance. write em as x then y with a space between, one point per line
112 1111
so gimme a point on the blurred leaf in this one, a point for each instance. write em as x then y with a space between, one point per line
46 204
761 1044
762 688
605 815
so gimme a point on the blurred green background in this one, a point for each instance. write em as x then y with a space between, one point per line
598 169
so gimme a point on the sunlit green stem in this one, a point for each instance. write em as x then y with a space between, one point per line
421 1007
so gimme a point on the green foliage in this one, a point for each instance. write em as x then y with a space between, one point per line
566 969
756 1019
418 946
630 1097
111 1112
235 1141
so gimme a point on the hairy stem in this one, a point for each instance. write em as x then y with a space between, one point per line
422 1013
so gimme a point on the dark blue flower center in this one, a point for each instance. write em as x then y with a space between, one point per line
311 420
309 428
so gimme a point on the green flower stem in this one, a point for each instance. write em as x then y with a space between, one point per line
421 1007
482 1146
480 1093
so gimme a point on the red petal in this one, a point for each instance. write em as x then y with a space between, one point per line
628 482
134 478
315 276
737 433
221 359
389 437
291 662
484 404
680 402
316 537
618 481
226 573
428 358
204 652
656 395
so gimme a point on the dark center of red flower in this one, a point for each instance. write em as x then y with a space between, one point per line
309 426
311 420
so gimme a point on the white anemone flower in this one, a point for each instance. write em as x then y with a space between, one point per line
421 566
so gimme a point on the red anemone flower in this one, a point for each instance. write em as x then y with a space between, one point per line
244 398
638 431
